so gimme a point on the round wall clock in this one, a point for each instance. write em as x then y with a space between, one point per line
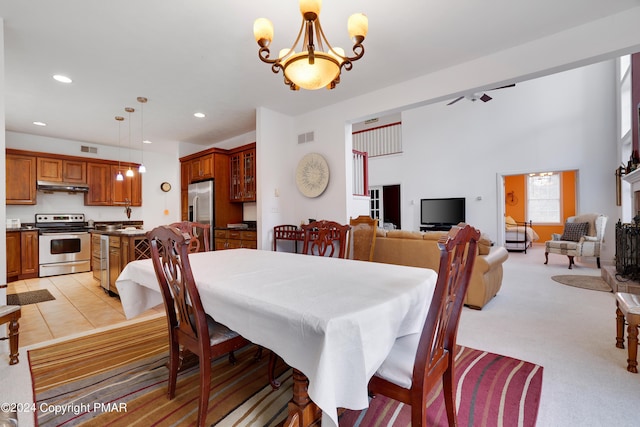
165 186
312 175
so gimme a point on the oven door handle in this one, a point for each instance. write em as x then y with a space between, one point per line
63 234
62 264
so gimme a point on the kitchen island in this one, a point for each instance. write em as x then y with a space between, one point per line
112 250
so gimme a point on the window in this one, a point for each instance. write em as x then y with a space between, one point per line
376 204
543 198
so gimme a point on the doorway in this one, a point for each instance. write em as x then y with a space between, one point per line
385 205
515 201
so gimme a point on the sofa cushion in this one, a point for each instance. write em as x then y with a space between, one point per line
404 234
573 231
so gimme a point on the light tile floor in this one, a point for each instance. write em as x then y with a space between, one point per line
81 305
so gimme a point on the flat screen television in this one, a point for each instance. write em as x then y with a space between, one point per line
442 212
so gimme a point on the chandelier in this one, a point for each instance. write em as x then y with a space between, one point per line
312 66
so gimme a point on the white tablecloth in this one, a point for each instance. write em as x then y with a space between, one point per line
334 320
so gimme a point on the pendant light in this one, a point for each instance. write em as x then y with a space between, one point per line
142 100
119 176
129 110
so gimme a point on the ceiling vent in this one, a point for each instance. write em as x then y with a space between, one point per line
87 149
305 137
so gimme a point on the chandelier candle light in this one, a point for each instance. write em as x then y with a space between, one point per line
312 67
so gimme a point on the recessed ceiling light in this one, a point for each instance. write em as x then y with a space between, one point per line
199 115
146 141
62 79
39 123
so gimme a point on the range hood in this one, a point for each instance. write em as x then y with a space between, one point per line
67 187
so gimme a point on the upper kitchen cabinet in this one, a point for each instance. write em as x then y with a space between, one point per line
129 190
20 179
242 166
62 170
201 168
217 161
104 190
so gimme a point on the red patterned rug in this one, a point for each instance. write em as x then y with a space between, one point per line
493 390
119 378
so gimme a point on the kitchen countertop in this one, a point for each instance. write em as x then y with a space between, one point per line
122 232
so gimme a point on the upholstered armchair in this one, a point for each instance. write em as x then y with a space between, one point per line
583 235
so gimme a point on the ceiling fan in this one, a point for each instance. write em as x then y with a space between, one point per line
479 95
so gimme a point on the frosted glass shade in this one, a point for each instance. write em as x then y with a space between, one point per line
313 6
358 25
263 30
312 76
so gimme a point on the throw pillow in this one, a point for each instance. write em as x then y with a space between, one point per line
484 245
509 220
573 231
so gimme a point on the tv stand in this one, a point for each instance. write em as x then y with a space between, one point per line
435 227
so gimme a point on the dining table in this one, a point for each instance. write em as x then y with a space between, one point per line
332 320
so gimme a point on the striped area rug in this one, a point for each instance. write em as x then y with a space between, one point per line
119 378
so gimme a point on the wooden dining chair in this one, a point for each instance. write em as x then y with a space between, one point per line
418 362
321 238
11 314
190 327
199 233
362 238
325 238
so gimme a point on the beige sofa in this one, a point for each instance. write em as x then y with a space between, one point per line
420 249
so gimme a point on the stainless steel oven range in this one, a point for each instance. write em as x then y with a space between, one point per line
64 244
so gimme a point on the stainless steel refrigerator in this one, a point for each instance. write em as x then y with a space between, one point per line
201 205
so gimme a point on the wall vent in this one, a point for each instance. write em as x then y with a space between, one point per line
87 149
368 122
305 137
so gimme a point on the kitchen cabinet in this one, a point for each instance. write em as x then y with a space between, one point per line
95 255
115 260
184 190
22 255
122 250
127 191
202 168
242 169
20 179
225 212
30 265
234 239
13 255
61 170
104 190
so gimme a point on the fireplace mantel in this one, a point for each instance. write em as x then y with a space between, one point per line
632 177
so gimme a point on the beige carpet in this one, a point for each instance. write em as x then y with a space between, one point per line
594 283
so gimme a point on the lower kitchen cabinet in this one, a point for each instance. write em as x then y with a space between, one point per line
122 250
234 239
22 255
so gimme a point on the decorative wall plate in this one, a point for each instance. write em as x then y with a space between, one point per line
312 175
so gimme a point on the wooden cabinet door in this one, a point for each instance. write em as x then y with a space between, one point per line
49 169
129 190
184 176
100 181
235 177
202 168
13 255
242 176
20 180
115 262
74 172
29 267
249 175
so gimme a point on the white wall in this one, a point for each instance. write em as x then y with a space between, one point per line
161 166
560 122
